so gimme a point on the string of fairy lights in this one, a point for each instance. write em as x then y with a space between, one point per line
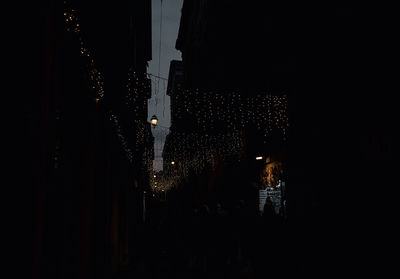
97 85
190 152
233 111
220 120
121 137
138 91
95 77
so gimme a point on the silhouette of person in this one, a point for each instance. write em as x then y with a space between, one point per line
269 211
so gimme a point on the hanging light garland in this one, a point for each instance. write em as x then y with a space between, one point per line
95 77
138 90
234 110
121 137
193 152
97 85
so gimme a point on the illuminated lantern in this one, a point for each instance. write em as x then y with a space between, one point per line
154 120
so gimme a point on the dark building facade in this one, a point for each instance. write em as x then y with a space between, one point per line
306 52
240 47
88 169
316 55
226 48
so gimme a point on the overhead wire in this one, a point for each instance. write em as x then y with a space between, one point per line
159 50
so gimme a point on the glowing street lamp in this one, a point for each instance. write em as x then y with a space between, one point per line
154 120
172 163
259 158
